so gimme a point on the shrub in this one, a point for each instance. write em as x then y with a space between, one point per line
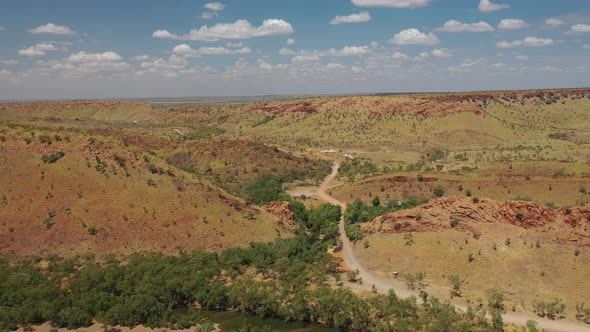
52 158
439 191
552 310
456 284
409 239
468 192
265 189
454 222
354 232
475 200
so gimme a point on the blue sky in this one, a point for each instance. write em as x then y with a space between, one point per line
145 48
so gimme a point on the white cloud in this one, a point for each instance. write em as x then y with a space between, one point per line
53 29
521 57
142 57
286 52
587 47
421 57
41 49
356 70
487 6
512 24
391 3
184 50
216 6
305 58
399 56
333 65
83 57
354 18
208 15
456 26
290 41
234 45
9 62
343 52
466 66
528 42
554 22
441 53
83 64
240 29
581 28
414 37
2 29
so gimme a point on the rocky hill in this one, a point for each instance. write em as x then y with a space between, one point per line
466 214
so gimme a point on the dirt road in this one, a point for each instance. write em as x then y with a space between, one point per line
383 285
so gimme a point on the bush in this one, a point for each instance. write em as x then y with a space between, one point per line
439 191
456 284
52 158
552 310
354 232
454 222
265 189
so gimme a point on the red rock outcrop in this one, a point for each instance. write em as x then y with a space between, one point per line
283 211
572 225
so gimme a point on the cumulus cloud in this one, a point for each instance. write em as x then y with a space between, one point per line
83 64
399 56
527 42
41 49
587 47
142 57
185 50
487 6
240 29
2 29
414 37
512 24
305 58
9 62
521 57
391 3
343 52
54 29
290 41
421 57
581 28
83 57
216 6
208 15
456 26
466 66
354 18
441 53
554 22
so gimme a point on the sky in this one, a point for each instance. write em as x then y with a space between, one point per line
72 49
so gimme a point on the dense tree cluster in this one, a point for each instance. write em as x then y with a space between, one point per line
359 212
285 279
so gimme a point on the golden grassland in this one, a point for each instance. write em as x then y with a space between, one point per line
523 270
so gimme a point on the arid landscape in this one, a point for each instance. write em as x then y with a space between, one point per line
295 166
456 194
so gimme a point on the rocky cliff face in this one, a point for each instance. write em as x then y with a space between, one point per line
462 213
283 211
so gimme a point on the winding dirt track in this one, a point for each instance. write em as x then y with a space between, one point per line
383 285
